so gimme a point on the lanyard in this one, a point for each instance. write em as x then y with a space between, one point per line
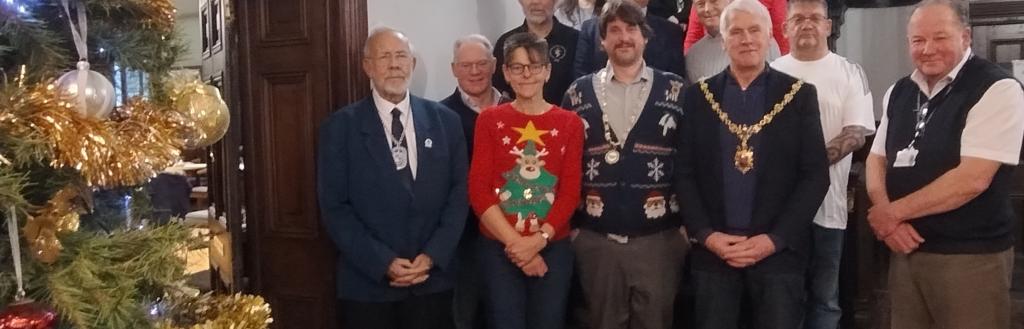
924 114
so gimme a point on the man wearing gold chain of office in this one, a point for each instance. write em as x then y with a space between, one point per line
751 173
629 248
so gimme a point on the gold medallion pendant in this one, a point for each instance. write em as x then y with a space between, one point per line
743 160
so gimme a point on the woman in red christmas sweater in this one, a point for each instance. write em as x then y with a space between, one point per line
524 185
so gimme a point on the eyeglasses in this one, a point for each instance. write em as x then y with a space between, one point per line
479 65
519 68
401 57
813 19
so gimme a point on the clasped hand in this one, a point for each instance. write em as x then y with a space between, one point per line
897 234
740 251
405 273
525 253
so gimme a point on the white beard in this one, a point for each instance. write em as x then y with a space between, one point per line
655 211
595 209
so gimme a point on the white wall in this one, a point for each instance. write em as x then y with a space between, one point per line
876 38
190 29
434 25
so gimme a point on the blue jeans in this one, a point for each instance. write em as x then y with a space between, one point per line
823 310
515 301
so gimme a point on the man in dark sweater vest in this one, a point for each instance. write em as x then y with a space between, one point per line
629 248
939 176
472 65
751 174
540 20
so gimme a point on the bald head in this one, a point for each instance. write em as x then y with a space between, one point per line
385 32
388 61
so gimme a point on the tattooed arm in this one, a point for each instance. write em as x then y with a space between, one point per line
849 140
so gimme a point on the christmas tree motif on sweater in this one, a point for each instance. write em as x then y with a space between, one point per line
528 192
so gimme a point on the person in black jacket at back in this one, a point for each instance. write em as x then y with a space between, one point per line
664 49
473 65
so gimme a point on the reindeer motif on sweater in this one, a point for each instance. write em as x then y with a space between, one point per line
528 192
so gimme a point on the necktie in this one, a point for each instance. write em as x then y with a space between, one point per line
400 148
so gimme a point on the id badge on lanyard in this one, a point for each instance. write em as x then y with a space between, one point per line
906 158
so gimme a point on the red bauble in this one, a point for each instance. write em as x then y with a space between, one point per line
27 314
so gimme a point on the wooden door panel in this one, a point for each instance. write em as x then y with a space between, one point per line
289 113
299 60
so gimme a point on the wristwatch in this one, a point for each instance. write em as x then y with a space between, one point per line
545 235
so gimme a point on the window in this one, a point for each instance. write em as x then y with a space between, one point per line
128 84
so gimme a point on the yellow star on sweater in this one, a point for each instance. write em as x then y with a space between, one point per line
530 133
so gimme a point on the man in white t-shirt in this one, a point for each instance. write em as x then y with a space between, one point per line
846 117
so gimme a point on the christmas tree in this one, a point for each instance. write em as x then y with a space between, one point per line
64 135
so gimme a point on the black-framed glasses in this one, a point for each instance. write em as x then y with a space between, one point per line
535 68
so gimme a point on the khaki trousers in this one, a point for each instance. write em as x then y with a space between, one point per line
939 291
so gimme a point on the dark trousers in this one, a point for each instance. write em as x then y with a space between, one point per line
431 311
515 301
776 296
468 304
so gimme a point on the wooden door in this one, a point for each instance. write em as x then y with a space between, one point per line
997 34
298 61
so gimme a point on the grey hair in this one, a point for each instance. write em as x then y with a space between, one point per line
752 7
473 38
377 31
959 9
822 3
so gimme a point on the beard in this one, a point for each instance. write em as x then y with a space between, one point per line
394 89
655 211
625 59
536 19
595 209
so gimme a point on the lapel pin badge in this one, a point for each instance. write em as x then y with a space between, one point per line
428 143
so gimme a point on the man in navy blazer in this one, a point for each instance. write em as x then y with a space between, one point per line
664 49
392 189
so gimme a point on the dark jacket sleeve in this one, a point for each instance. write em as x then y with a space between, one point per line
348 232
812 182
695 216
584 63
445 238
498 80
675 52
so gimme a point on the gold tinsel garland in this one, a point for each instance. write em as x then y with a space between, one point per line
109 153
161 15
57 216
210 311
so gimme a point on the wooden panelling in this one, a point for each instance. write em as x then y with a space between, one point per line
298 309
996 12
283 22
299 62
287 117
